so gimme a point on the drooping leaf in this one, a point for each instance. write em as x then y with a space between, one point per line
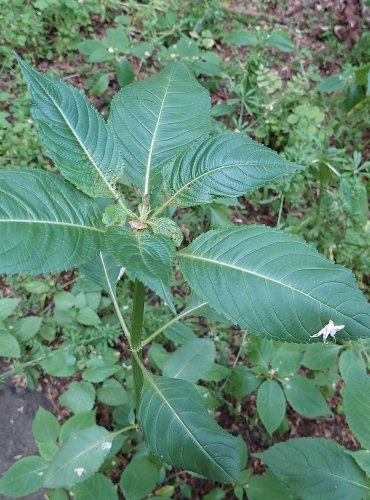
156 118
223 166
356 403
180 431
74 134
191 361
97 487
79 457
46 225
146 257
274 284
304 397
24 477
317 469
139 478
270 405
103 270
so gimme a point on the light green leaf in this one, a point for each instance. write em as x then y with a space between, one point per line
280 40
349 362
60 363
156 118
88 317
97 374
74 134
167 227
97 487
103 270
45 428
7 307
362 457
191 361
223 166
79 457
24 477
112 393
79 397
46 225
317 469
180 431
75 423
304 397
9 347
64 300
27 327
268 485
356 403
274 284
146 257
270 405
179 333
139 478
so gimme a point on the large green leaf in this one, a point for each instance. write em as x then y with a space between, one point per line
191 361
146 257
304 397
46 225
79 457
74 134
274 284
356 403
223 166
156 118
317 469
180 431
270 405
103 270
97 487
24 477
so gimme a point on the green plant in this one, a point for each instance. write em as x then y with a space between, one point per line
268 282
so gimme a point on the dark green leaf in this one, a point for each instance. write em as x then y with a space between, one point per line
288 297
356 403
46 224
180 431
74 134
103 270
304 397
139 478
146 257
270 405
317 469
156 118
191 361
227 165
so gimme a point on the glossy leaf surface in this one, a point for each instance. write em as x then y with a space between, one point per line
146 257
274 284
46 225
223 166
74 134
180 431
156 118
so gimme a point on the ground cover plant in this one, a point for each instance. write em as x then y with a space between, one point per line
171 208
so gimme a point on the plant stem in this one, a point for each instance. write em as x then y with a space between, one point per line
135 339
184 313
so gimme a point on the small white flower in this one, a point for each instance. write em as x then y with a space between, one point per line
329 329
79 471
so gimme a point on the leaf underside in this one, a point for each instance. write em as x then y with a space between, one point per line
46 225
74 134
224 166
103 270
180 431
156 118
274 284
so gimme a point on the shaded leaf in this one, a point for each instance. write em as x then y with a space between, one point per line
304 397
270 405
